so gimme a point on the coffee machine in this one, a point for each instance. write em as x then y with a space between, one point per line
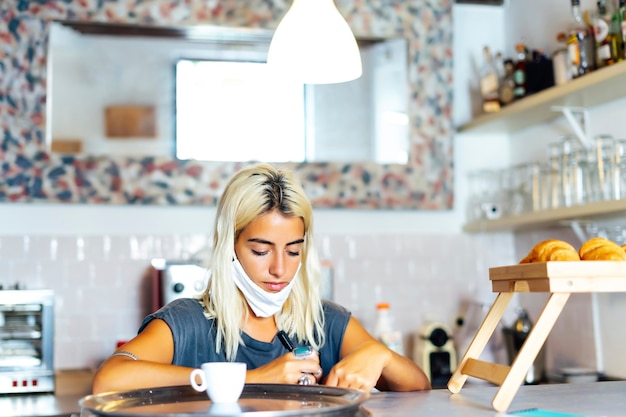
434 352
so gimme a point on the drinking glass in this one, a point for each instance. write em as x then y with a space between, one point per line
577 178
603 167
483 188
549 187
524 190
619 173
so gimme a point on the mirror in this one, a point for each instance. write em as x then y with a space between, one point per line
191 94
31 173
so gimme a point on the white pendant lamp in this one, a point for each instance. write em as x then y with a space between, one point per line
313 44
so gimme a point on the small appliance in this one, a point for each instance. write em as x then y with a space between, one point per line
514 338
173 279
26 341
434 352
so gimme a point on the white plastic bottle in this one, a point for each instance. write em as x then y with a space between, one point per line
384 330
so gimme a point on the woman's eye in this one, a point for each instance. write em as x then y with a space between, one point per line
259 253
293 253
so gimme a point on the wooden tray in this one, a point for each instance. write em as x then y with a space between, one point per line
560 276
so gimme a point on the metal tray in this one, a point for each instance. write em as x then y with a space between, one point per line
257 400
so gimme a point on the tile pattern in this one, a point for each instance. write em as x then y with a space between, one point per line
102 291
28 172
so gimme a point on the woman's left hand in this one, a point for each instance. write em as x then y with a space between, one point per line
361 368
366 363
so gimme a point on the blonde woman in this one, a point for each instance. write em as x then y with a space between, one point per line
262 302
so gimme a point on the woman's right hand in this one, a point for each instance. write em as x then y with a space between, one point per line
287 369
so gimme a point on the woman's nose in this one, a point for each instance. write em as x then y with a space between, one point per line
277 267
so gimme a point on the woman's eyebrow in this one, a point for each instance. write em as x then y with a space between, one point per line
267 242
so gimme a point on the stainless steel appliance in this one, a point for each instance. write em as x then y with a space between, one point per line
177 279
26 341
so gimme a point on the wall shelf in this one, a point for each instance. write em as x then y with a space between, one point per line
596 88
550 218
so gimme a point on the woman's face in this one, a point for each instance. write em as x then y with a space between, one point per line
269 249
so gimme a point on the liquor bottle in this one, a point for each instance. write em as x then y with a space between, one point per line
608 35
560 61
619 20
489 83
601 24
519 72
507 84
580 43
499 63
616 36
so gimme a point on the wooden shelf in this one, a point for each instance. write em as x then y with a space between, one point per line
596 88
550 218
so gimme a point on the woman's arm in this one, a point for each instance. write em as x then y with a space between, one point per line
154 349
367 363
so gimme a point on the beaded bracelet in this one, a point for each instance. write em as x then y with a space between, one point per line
127 354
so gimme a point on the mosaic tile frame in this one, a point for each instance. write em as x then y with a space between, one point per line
29 173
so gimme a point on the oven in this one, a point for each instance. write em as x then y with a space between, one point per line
26 341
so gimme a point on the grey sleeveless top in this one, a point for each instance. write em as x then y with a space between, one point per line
195 336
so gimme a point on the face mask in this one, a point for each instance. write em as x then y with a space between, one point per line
263 303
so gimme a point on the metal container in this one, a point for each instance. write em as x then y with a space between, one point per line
26 341
263 400
514 338
174 279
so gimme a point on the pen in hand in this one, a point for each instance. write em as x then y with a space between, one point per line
284 339
303 352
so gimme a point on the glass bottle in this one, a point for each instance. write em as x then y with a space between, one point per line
560 61
621 17
601 33
507 84
384 330
580 43
489 83
616 31
607 35
519 73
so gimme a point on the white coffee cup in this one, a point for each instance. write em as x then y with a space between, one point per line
223 381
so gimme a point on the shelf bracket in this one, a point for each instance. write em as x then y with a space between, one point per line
577 118
578 231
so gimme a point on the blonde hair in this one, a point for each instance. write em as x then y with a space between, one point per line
250 193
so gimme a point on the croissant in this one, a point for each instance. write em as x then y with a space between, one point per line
551 250
601 249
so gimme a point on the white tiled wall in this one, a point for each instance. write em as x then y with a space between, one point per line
102 293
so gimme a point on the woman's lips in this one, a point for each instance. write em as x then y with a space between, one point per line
275 286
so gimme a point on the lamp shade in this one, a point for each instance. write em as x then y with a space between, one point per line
313 44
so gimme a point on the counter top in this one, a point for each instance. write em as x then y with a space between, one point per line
590 399
606 399
70 385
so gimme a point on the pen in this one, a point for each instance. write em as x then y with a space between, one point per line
284 339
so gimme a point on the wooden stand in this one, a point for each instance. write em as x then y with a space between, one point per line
560 279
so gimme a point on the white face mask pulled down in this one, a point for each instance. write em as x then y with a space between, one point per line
262 303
